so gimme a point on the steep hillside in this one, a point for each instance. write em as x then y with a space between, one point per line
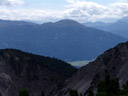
114 60
66 39
36 73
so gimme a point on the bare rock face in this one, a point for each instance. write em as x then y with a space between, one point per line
114 60
36 73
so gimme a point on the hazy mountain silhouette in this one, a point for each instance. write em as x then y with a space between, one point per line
120 27
65 39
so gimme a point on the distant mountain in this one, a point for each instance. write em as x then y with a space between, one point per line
124 19
11 23
120 27
96 24
20 70
114 60
66 39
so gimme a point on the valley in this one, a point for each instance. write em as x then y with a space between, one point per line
59 59
63 47
66 39
79 64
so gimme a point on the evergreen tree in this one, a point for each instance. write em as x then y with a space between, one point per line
0 94
114 87
101 89
124 92
108 87
73 93
90 93
23 92
107 83
81 94
42 93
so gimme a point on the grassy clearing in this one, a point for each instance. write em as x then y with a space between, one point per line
79 63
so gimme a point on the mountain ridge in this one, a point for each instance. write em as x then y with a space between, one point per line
119 27
19 70
51 39
114 60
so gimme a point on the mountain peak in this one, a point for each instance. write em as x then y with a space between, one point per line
67 22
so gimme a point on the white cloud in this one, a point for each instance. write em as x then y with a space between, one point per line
11 2
82 11
90 11
30 14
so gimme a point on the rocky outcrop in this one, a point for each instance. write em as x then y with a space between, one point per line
114 60
36 73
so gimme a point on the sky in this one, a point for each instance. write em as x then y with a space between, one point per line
54 10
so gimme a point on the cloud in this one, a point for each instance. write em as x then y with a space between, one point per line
78 10
90 11
11 2
30 14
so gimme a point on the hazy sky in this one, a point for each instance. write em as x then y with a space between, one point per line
53 10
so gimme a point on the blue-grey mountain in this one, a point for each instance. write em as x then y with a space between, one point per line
120 27
65 39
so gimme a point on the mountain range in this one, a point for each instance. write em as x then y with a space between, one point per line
66 39
120 27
